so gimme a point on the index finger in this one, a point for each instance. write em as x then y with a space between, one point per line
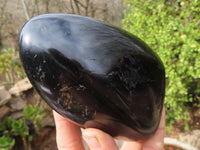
156 142
67 134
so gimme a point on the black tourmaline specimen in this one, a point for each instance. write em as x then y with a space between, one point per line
94 74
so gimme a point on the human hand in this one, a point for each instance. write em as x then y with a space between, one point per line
68 137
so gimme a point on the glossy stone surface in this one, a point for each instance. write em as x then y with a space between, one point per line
94 74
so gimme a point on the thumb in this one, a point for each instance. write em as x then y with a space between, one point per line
98 140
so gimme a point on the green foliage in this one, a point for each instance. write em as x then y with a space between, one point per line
10 65
187 128
171 29
10 128
6 126
19 127
6 143
34 114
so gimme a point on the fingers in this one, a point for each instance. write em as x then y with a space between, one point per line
68 137
98 140
67 134
132 146
156 142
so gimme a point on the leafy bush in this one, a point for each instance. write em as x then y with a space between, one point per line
6 143
10 66
33 114
19 127
171 28
10 128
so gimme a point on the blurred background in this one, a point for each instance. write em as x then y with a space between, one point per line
170 27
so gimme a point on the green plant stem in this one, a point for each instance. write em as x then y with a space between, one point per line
25 143
36 127
29 146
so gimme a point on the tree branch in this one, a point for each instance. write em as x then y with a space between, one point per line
87 7
71 3
77 7
25 9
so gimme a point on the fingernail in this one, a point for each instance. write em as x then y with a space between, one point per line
91 140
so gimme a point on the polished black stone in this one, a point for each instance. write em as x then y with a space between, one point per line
94 74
